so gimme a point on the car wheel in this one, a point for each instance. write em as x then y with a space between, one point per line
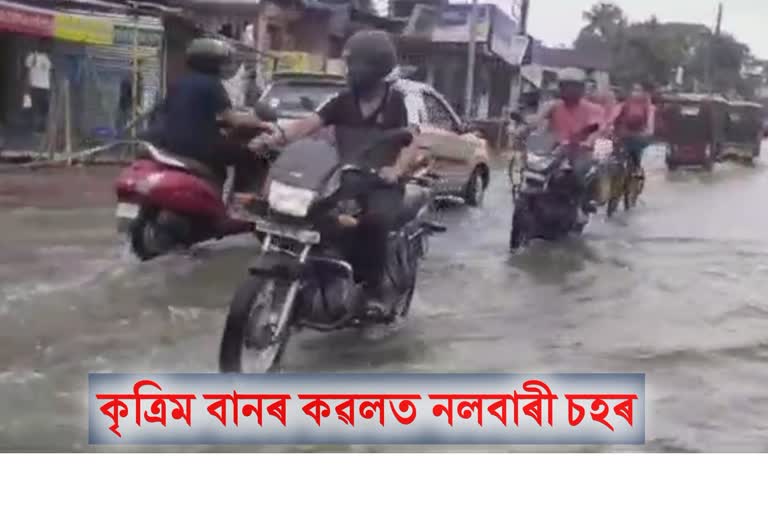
474 192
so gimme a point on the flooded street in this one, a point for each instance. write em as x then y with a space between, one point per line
675 289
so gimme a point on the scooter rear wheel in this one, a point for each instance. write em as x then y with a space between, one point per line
146 240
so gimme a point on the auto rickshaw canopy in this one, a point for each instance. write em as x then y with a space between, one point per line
689 118
744 123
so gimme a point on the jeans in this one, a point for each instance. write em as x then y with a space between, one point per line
634 145
366 246
581 165
250 170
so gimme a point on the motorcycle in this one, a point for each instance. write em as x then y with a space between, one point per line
166 202
300 279
549 202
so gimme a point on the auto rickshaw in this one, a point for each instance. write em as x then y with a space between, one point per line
692 125
743 131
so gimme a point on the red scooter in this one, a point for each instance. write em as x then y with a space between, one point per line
167 202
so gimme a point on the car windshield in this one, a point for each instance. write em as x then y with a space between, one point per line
302 97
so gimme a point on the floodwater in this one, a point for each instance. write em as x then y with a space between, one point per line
675 289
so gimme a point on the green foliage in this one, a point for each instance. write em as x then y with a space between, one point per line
650 50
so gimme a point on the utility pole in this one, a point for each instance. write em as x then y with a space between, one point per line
719 19
470 83
712 41
524 7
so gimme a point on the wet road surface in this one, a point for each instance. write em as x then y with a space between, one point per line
675 289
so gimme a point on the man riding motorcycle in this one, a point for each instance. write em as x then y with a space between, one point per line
368 106
568 116
196 105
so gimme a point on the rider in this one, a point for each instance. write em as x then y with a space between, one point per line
194 107
370 104
633 123
570 115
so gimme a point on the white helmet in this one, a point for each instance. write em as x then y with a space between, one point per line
572 75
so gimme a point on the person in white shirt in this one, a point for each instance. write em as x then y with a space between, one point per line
39 80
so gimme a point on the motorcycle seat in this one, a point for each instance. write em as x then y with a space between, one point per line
164 156
414 199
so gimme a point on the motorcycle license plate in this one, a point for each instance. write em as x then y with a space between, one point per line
127 211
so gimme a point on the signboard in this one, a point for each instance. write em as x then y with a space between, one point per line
75 27
83 29
505 40
512 50
25 21
423 20
299 62
453 26
293 62
149 38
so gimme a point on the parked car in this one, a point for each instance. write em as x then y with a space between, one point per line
461 156
294 95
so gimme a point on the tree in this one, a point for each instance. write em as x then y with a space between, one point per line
604 21
719 60
651 50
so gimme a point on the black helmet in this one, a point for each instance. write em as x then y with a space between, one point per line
210 56
370 57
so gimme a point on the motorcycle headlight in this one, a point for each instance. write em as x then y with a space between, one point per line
290 200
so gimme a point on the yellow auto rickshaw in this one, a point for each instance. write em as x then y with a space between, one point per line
743 133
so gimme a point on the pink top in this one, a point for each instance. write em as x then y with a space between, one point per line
639 103
565 122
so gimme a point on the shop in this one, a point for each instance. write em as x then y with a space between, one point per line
435 44
85 61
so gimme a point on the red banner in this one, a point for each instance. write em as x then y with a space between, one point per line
34 23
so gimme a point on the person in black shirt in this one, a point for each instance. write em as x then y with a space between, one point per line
196 105
369 105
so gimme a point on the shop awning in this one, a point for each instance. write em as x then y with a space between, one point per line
78 27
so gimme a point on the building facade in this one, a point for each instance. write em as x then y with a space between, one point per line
435 43
101 56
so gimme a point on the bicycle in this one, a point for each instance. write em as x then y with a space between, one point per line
626 185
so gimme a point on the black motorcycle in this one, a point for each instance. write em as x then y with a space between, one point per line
550 200
300 278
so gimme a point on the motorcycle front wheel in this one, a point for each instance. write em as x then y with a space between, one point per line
249 343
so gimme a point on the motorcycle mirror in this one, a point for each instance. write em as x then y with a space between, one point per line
265 112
